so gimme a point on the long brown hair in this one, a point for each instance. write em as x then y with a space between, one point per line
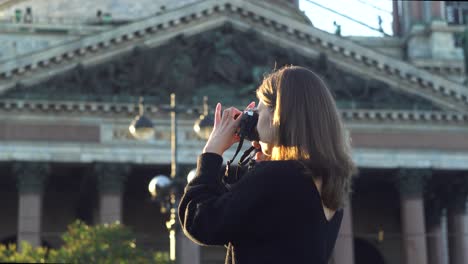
308 128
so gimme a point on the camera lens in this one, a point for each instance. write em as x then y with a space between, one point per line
248 125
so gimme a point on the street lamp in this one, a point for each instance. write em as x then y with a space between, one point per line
191 175
204 125
141 127
159 188
163 189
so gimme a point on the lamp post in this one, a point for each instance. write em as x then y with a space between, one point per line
204 125
166 190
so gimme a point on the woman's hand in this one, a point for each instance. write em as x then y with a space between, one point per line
224 131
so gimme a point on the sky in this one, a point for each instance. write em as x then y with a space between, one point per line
365 11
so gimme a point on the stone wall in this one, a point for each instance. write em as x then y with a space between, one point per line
144 216
120 9
68 13
435 54
86 9
377 208
67 16
9 205
58 209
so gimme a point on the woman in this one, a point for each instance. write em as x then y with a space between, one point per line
287 209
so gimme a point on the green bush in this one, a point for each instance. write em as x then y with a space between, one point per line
29 254
111 243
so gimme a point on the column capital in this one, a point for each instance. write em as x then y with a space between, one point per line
111 176
411 182
31 176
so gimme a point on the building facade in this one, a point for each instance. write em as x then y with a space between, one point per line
70 83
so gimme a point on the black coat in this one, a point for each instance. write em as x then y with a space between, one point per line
273 214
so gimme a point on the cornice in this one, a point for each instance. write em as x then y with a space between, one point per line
414 116
128 109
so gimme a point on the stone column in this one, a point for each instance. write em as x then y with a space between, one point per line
438 9
437 238
344 247
111 178
30 180
437 192
411 185
187 251
458 221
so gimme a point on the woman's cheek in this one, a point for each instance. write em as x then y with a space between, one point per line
265 131
262 130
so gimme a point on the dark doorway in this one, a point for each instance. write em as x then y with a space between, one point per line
8 240
13 240
366 253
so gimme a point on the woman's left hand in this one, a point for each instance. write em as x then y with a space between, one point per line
224 131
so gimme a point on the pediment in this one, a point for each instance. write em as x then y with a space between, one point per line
104 65
225 63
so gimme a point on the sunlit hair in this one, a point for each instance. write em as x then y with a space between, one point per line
308 128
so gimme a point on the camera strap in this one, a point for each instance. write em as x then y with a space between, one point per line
242 161
239 146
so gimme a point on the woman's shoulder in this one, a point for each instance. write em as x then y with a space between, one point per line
284 177
278 168
278 164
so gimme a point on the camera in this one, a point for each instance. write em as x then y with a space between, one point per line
247 130
248 125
